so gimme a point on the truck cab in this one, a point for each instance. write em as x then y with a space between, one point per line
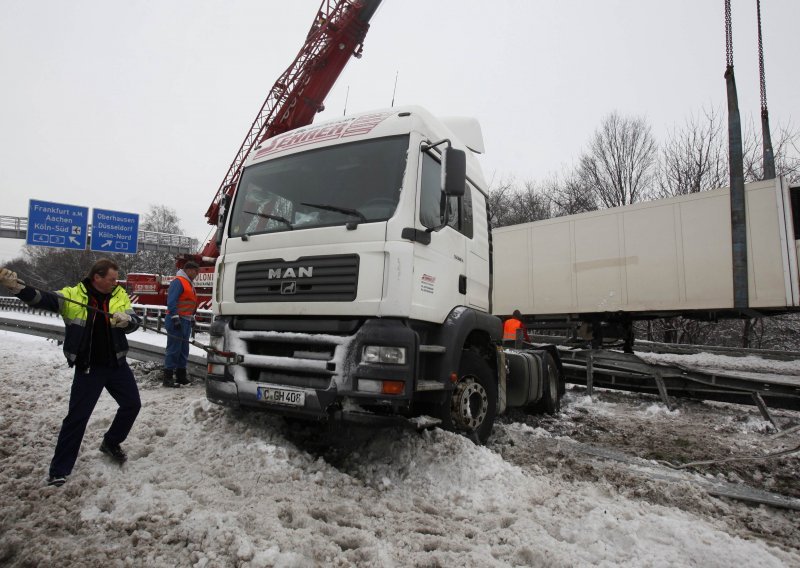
354 275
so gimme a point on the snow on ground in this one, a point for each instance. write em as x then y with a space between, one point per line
749 363
207 486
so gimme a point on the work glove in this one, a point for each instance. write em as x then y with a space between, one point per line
120 319
176 323
8 278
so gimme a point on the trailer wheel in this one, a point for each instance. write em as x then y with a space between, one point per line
472 407
551 397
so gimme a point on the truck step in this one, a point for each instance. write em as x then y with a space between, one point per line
429 386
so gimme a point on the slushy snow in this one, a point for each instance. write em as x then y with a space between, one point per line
207 486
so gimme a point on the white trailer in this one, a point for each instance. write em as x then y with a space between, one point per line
665 257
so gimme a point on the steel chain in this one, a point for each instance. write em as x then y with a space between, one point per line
728 34
761 60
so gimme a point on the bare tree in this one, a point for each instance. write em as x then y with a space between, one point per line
531 203
785 147
619 162
569 195
694 157
499 202
677 330
53 268
161 219
510 204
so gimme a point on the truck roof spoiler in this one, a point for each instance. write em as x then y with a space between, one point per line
467 130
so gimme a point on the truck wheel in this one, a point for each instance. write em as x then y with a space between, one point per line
472 407
551 397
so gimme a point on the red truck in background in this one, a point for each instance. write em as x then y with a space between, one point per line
151 289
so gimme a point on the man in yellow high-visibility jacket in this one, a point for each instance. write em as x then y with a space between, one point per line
95 345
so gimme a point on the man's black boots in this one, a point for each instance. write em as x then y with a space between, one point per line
168 380
181 379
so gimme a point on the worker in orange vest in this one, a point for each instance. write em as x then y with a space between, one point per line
181 307
511 326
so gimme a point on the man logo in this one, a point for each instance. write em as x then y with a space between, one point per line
300 272
289 287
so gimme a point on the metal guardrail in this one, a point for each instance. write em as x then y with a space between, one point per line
625 371
139 350
152 316
685 348
151 240
13 227
17 228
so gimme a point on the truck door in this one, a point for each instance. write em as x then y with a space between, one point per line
474 226
440 270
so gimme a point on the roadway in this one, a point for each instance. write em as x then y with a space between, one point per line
746 380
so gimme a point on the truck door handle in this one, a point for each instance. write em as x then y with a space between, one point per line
415 235
462 284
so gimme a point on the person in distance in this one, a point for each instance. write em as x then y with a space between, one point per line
181 307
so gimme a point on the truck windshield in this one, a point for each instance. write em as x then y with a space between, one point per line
358 182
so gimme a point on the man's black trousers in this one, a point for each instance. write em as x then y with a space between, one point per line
86 390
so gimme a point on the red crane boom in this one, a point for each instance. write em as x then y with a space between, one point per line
336 35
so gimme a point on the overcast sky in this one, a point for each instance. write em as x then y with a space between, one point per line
119 105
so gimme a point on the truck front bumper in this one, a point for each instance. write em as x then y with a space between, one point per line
316 376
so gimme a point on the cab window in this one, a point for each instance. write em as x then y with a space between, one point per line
433 201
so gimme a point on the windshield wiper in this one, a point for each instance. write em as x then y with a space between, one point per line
273 217
344 210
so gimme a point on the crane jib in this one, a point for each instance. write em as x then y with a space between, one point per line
336 35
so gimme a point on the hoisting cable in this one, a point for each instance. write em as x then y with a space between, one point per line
741 299
227 356
769 157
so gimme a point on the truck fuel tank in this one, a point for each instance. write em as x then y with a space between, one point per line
524 380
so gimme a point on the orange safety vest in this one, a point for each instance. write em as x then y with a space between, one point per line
187 301
510 328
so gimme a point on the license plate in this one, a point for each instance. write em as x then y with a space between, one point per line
281 396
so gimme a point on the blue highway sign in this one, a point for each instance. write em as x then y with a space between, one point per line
115 231
56 225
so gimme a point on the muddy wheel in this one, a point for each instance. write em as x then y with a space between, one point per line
472 407
551 397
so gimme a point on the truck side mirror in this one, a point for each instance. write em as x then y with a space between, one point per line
454 171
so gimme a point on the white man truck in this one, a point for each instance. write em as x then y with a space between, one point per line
354 280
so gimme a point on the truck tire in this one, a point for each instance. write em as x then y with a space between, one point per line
551 397
472 406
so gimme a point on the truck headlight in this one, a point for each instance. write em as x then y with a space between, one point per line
383 354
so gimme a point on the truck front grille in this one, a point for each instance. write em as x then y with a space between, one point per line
292 359
307 279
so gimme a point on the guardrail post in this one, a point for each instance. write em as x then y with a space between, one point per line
762 407
662 388
590 373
